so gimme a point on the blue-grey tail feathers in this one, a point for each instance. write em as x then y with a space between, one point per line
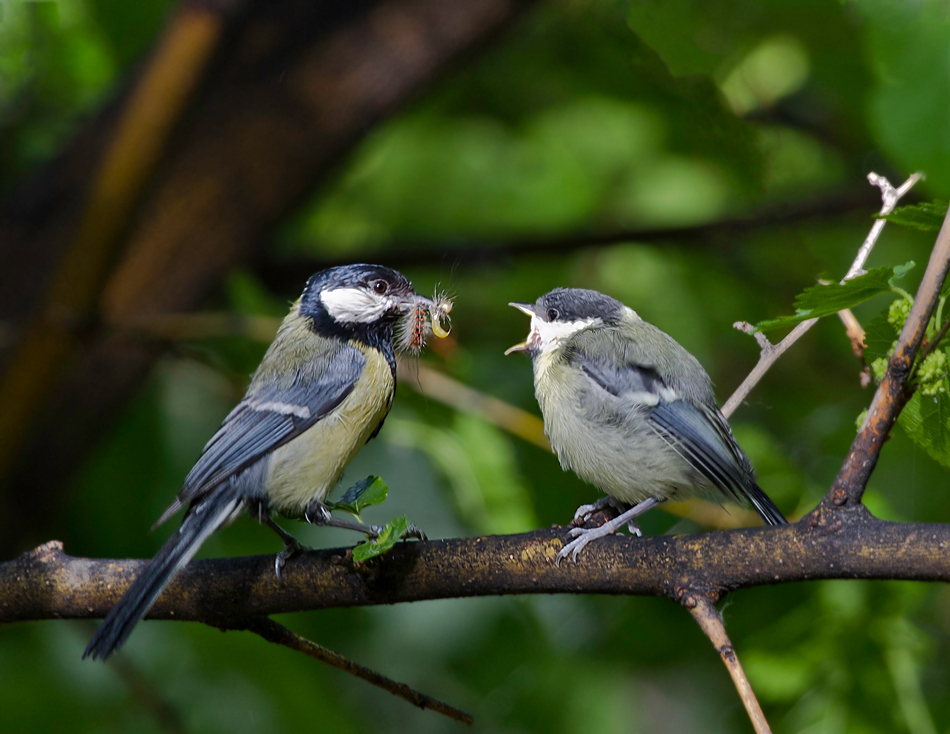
767 510
213 512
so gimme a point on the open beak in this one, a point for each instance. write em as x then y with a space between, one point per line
528 309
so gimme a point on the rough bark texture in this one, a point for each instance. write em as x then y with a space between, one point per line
847 543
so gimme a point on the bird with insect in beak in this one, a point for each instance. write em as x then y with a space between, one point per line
323 390
630 411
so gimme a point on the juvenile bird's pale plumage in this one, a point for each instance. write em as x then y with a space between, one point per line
321 392
630 411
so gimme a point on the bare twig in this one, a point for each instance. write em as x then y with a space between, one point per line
707 616
166 715
771 352
931 344
854 330
280 635
891 395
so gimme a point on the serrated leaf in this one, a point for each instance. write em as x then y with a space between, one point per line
878 337
927 217
363 494
392 534
926 420
824 300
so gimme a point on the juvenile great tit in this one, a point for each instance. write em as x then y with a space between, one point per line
630 411
323 390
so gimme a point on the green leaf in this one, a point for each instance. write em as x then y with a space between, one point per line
392 534
363 494
927 217
926 419
824 300
878 337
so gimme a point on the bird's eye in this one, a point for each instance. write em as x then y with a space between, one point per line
380 286
553 313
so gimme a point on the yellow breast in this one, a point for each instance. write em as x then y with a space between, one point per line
309 466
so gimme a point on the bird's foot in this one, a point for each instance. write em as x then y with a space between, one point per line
290 550
292 546
318 513
583 536
585 511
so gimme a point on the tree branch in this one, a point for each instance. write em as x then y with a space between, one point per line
709 620
280 635
892 395
846 542
771 352
286 273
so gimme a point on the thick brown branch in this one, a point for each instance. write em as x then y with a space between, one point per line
846 543
892 395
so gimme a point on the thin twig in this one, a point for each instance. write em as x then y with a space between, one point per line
891 395
168 718
854 330
771 352
707 616
931 344
280 635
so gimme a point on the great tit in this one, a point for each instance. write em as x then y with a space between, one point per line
630 411
323 390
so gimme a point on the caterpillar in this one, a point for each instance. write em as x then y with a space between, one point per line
425 316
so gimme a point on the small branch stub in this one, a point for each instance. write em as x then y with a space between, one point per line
707 617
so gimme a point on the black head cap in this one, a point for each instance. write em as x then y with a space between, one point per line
356 276
577 304
388 295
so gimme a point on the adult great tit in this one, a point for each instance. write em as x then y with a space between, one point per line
630 411
323 390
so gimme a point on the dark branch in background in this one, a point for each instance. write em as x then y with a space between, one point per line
286 274
289 90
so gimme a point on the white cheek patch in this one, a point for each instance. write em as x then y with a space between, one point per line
355 305
548 334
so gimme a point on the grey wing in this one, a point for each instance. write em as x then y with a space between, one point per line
266 419
700 435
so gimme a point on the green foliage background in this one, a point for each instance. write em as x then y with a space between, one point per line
587 117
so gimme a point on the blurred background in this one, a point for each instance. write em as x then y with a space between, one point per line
172 173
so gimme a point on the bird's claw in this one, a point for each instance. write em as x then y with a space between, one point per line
583 536
584 512
290 550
